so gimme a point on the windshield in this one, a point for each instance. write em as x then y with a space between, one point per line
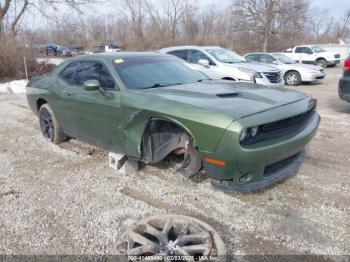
144 72
317 49
284 59
225 55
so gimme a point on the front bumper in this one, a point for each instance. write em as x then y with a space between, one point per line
266 82
291 166
246 167
344 89
333 62
345 97
312 76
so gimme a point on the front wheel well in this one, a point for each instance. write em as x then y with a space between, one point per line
321 58
160 138
39 103
292 70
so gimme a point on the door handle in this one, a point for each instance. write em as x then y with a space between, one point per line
66 93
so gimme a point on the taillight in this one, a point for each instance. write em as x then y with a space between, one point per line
347 64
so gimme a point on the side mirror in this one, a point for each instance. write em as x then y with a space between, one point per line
93 85
203 62
275 62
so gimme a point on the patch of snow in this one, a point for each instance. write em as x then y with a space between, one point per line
14 87
52 61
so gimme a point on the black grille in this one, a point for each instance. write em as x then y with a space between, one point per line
337 55
274 77
280 165
280 128
285 123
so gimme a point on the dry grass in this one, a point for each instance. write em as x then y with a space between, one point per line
11 59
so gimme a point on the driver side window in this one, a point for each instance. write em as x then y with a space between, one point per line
303 50
195 56
267 59
93 71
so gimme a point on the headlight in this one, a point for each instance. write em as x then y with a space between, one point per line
247 133
254 131
244 135
252 74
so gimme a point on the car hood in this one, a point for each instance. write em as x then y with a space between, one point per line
258 67
327 53
303 66
235 100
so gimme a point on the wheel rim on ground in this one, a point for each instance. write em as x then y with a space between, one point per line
171 235
46 124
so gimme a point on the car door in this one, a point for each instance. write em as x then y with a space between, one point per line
59 103
212 70
94 115
267 59
303 54
253 57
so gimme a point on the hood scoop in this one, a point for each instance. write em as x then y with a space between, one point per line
228 95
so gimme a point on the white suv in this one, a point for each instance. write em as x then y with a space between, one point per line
221 63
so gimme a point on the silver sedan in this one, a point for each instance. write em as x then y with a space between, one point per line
294 73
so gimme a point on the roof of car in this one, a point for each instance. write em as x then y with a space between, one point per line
116 55
188 47
259 53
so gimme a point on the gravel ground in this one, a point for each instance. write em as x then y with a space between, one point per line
66 199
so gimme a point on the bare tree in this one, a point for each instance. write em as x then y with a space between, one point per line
4 8
268 18
175 10
259 17
343 26
136 14
9 8
18 17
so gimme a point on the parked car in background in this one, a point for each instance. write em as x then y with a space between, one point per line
54 49
106 48
221 63
344 82
64 51
49 49
146 106
313 54
294 73
77 50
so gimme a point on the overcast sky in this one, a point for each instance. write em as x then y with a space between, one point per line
336 7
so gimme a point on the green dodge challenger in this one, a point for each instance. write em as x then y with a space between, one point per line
146 106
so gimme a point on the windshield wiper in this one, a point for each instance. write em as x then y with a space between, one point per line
156 85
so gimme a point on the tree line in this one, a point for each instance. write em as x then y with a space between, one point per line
243 25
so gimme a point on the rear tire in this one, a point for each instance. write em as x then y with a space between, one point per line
49 126
292 78
321 62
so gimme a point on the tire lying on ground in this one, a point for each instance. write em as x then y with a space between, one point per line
172 235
